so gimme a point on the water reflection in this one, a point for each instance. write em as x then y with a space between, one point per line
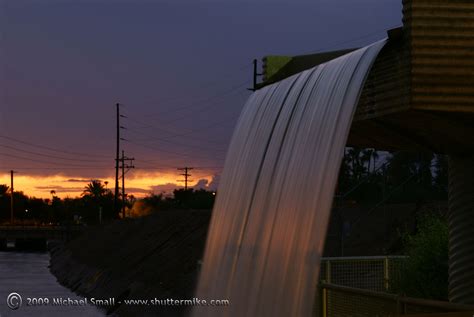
28 275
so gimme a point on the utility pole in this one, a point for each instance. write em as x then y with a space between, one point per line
123 166
117 160
123 184
255 75
186 176
11 197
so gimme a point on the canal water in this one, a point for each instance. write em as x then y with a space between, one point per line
28 275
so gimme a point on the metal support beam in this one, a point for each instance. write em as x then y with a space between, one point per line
461 229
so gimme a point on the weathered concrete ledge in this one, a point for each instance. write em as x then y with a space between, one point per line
146 258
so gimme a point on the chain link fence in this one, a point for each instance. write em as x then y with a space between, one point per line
366 287
376 273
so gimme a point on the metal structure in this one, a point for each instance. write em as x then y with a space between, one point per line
461 225
367 286
126 163
419 95
376 273
339 301
186 175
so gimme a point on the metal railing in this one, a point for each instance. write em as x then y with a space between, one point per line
343 301
376 273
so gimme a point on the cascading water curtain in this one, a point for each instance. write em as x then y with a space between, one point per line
272 209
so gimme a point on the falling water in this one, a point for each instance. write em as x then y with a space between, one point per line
269 223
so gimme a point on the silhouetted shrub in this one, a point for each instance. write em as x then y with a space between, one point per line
426 272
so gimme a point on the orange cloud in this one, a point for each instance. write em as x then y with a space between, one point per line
137 183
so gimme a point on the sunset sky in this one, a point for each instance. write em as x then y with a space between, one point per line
180 69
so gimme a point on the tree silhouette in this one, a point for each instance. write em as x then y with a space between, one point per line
357 159
94 190
375 157
440 178
3 189
369 155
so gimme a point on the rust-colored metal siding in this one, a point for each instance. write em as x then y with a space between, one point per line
387 88
420 92
441 44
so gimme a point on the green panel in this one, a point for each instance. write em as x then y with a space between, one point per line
277 68
273 63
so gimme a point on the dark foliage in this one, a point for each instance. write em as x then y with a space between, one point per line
426 272
94 200
86 209
367 177
182 199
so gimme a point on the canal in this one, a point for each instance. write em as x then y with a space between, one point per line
28 275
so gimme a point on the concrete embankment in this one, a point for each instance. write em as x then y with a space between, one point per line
145 258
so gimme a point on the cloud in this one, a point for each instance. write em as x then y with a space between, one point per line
208 185
201 184
137 190
214 184
75 180
59 189
164 188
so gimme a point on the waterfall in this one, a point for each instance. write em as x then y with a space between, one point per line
272 208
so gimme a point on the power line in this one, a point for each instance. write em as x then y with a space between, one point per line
46 155
154 164
335 44
172 167
51 149
209 106
189 132
202 128
198 102
48 162
166 151
59 168
208 167
211 83
174 142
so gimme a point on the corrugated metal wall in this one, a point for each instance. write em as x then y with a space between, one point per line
387 88
420 92
441 40
461 229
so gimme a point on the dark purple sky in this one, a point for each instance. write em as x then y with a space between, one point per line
64 65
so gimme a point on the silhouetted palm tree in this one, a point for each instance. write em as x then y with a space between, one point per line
94 189
367 156
375 157
356 162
